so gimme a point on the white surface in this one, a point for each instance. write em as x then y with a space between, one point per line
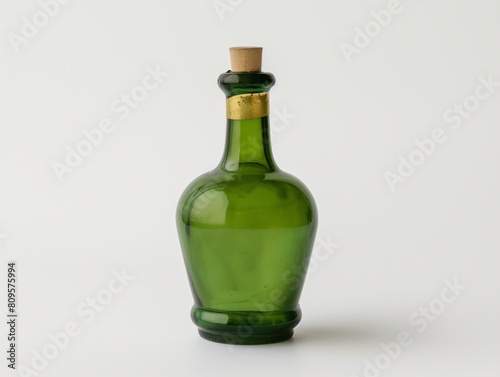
352 121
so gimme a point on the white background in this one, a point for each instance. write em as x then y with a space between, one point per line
351 122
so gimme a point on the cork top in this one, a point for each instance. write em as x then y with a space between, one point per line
246 59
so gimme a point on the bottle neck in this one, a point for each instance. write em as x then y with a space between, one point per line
248 147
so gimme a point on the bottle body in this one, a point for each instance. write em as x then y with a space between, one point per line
246 231
246 241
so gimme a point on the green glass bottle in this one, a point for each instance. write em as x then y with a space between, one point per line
246 228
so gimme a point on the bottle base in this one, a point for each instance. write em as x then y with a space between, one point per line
245 327
228 338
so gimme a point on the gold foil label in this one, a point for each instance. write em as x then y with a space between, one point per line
247 106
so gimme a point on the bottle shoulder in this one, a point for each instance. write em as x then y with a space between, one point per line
222 180
261 196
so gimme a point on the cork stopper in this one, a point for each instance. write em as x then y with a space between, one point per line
246 59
